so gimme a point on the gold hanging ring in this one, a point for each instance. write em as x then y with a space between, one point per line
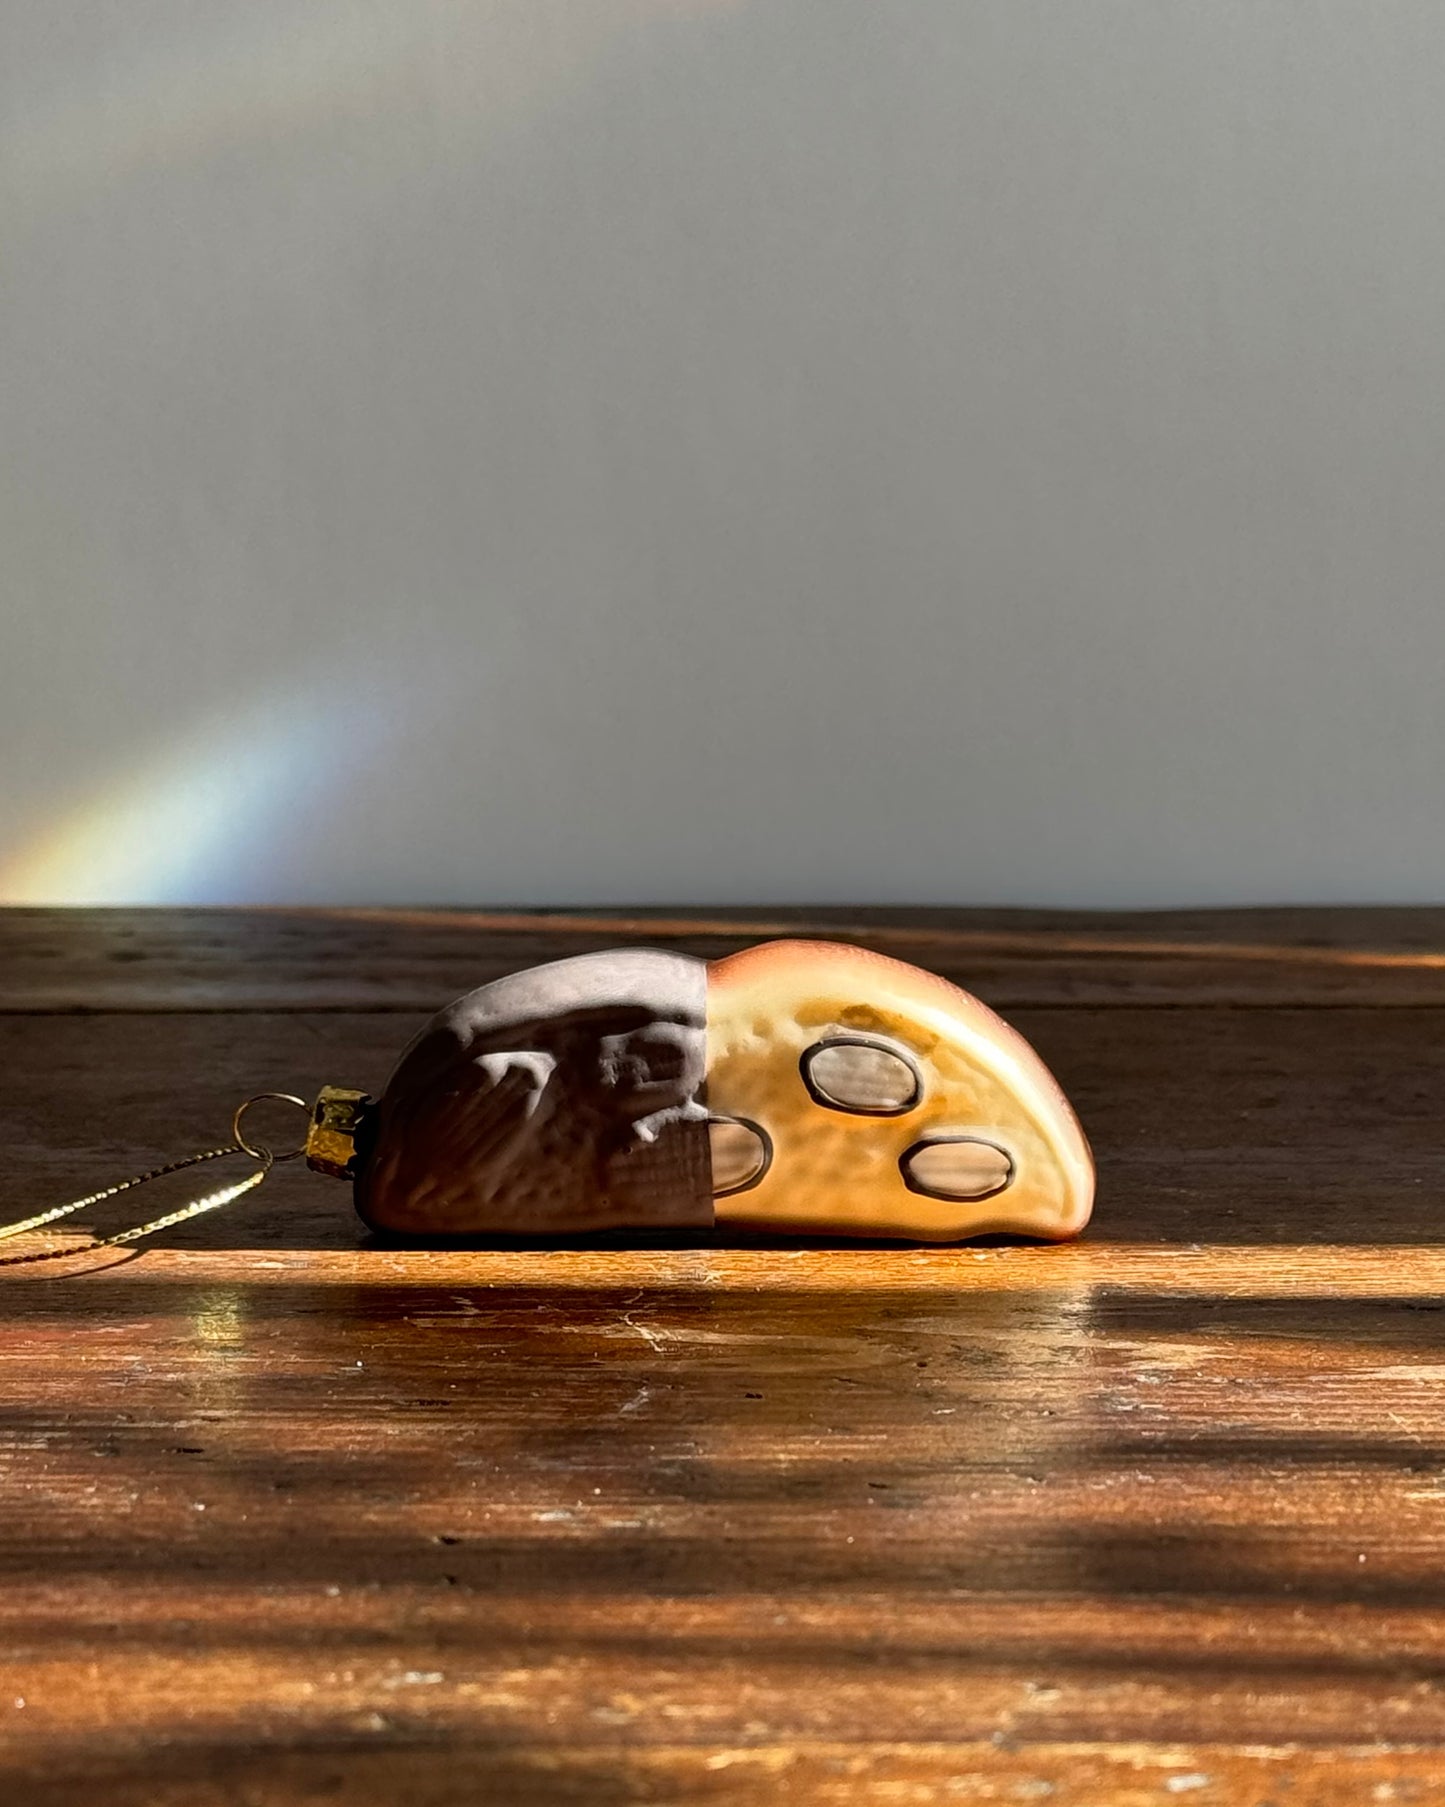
258 1151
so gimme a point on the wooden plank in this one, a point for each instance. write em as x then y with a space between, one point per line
362 1770
288 1515
289 959
243 1512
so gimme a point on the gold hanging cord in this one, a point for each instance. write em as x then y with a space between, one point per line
265 1157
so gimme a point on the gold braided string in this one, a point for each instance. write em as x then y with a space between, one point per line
197 1208
212 1201
264 1157
39 1221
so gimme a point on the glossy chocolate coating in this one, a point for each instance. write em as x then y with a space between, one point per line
560 1099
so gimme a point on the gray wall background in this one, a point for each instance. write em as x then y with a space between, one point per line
586 450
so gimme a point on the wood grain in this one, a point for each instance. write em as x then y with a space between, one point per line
288 1515
416 961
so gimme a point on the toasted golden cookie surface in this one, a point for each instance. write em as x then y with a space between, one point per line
890 1103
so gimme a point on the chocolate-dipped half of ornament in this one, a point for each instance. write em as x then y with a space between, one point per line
564 1098
798 1086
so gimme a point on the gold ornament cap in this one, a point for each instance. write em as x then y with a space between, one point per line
336 1120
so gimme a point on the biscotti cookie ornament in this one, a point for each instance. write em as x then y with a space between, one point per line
800 1086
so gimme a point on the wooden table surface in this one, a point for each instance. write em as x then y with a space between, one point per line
289 1516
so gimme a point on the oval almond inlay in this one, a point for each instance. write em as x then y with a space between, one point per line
850 1074
956 1167
740 1154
